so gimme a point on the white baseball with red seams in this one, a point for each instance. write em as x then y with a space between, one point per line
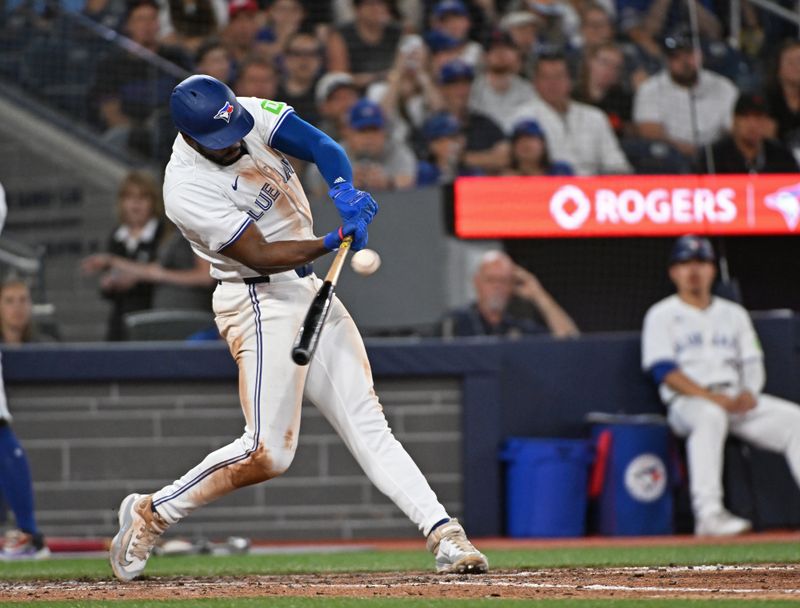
365 262
212 205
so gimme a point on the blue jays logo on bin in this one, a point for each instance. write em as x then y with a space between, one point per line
225 112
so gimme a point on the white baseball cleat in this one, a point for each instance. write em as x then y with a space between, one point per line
721 523
139 529
454 553
19 545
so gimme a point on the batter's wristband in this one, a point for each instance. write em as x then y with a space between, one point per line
333 239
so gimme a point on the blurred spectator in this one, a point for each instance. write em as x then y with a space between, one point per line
522 28
444 153
577 133
705 357
136 238
529 155
451 18
499 91
684 105
443 50
284 20
486 148
409 94
646 22
335 94
245 20
596 26
302 62
212 58
600 85
496 282
104 12
748 149
189 22
180 280
366 47
127 86
558 23
256 78
16 315
784 94
378 162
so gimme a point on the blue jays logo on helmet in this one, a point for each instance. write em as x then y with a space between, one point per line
206 110
224 112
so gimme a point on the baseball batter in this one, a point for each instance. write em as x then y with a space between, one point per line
705 356
25 541
237 200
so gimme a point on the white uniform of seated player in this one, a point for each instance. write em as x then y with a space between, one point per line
705 356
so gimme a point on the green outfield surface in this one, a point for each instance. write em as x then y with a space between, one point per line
385 561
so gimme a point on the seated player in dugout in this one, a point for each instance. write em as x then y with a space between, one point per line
703 353
497 280
234 196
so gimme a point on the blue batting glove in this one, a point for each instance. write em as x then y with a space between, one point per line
357 229
350 202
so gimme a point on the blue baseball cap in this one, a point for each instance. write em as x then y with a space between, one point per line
441 124
527 127
206 110
439 41
366 114
454 71
449 7
691 247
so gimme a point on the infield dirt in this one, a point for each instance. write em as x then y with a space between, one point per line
745 582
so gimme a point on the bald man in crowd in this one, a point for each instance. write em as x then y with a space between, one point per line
497 281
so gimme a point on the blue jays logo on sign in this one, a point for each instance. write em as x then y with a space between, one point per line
225 112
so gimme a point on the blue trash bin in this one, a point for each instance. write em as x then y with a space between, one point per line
632 476
546 486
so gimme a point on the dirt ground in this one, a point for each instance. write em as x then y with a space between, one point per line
750 582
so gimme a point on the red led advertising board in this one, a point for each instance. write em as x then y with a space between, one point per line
636 205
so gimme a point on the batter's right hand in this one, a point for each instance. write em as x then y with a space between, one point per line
356 228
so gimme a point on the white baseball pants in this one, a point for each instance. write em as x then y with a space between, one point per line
259 323
774 424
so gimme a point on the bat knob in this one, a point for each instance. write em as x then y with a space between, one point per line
301 356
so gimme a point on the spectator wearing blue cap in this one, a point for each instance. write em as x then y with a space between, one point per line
365 47
529 155
576 132
486 148
500 90
379 163
443 49
444 151
451 18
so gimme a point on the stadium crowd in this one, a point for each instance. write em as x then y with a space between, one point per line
420 92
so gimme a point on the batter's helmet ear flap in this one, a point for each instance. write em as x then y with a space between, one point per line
206 110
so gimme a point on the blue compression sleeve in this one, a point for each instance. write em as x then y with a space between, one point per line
15 480
304 141
660 369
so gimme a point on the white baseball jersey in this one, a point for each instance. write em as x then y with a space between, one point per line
709 346
212 205
4 413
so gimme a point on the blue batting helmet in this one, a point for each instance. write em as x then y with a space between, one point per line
206 110
691 247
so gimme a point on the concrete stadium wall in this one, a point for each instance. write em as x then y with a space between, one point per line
90 444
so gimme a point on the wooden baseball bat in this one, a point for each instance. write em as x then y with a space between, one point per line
305 343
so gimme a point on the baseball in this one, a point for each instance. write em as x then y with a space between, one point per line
365 262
